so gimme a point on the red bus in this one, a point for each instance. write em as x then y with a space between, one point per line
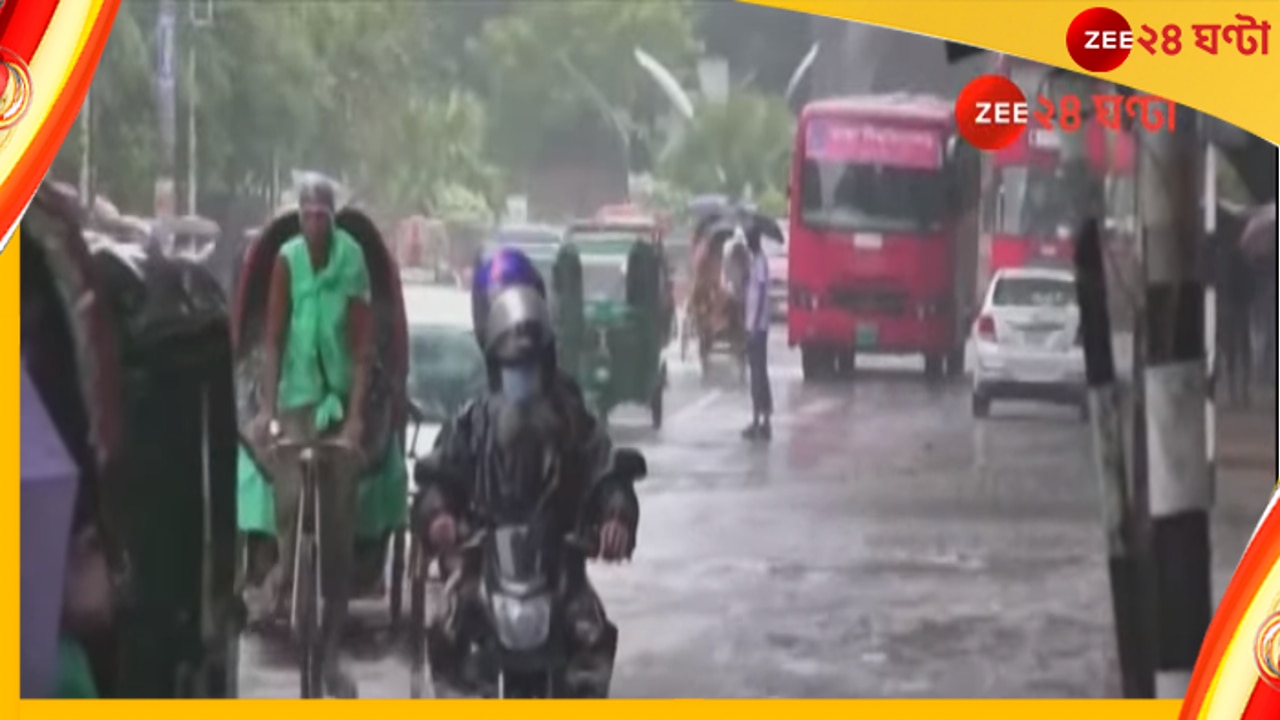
883 233
1025 204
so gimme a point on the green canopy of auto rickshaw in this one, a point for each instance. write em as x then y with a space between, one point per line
608 284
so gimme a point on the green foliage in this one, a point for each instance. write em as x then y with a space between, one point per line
728 147
415 105
531 91
457 204
124 141
773 202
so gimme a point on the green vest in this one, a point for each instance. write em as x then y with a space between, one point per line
317 367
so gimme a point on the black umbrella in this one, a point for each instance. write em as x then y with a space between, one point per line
1259 236
732 219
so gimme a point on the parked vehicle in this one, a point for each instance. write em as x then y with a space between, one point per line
1027 340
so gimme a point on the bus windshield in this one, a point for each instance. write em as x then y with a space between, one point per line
1033 201
871 198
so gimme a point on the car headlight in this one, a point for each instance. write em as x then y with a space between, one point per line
521 623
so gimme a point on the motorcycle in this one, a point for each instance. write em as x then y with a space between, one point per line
518 644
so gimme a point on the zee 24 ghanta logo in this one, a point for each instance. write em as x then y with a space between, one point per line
993 113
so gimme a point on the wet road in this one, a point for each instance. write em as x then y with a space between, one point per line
883 545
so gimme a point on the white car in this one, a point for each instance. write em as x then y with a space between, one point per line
1026 341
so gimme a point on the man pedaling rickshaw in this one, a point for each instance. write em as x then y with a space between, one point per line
315 375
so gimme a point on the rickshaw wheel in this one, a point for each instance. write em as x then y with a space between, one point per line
308 642
242 563
655 401
396 588
417 621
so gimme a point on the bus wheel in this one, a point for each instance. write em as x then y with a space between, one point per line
815 362
845 361
932 366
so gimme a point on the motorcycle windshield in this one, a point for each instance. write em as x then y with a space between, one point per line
518 556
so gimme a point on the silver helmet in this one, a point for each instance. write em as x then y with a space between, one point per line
518 328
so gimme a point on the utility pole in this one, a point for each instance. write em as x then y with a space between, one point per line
192 174
1106 408
199 16
86 150
1172 336
166 104
1210 275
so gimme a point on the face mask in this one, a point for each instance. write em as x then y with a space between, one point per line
521 383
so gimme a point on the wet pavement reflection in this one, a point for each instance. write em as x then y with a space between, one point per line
885 544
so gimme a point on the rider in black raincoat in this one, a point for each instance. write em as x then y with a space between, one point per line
482 455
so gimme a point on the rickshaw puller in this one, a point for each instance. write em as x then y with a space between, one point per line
530 403
318 345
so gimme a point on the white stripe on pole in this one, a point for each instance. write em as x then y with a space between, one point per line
1175 440
1211 311
1172 684
1211 374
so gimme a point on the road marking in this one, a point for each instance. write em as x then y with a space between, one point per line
696 406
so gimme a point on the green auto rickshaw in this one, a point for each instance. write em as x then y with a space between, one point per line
608 287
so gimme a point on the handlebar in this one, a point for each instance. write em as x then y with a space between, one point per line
307 449
416 413
585 545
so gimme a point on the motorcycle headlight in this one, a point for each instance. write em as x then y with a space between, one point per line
521 623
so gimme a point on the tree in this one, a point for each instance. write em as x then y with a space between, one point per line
762 43
744 142
397 99
259 78
549 64
124 145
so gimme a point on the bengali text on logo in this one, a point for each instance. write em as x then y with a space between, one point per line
1100 39
992 112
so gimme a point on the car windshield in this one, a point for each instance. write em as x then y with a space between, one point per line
1033 201
526 236
1037 292
607 240
872 198
604 277
445 369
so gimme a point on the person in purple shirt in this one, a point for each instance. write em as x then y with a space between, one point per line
757 328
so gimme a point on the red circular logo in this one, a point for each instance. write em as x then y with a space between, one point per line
1099 39
991 112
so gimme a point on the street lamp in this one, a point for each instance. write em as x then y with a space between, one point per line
199 16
